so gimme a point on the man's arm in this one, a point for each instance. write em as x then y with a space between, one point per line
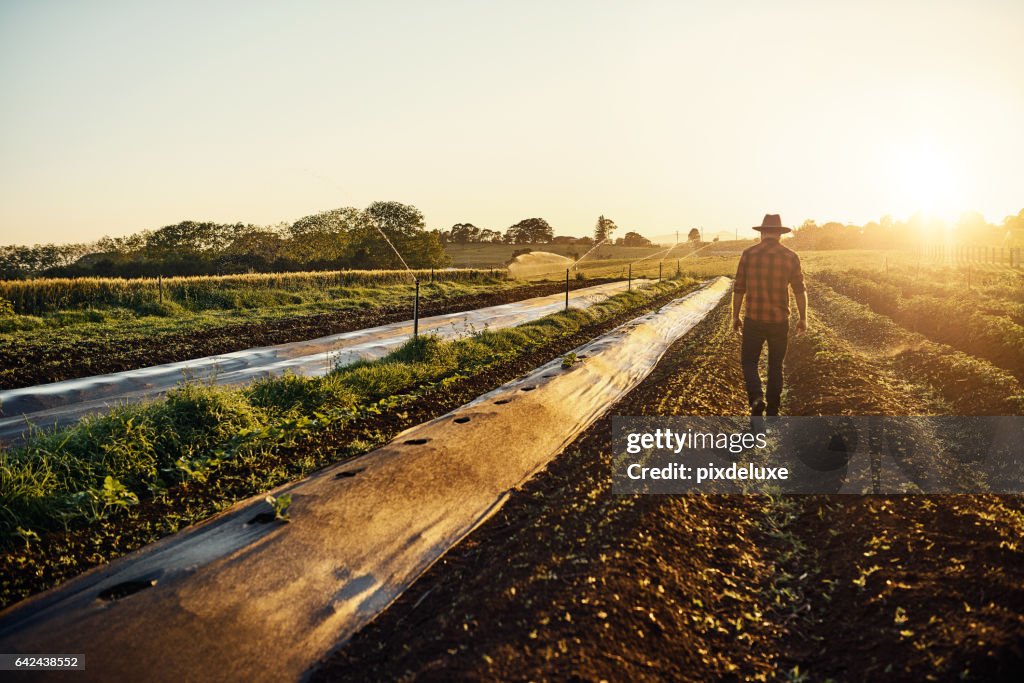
737 306
801 306
800 293
738 290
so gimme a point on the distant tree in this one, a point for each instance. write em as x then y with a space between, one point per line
1013 230
18 262
324 237
491 236
403 226
463 233
258 250
693 235
529 231
635 239
604 229
130 244
190 239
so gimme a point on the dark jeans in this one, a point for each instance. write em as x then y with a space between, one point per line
755 334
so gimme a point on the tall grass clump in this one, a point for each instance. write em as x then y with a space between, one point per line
105 461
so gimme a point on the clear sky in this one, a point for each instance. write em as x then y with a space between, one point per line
119 116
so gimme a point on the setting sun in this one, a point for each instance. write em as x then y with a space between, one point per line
927 181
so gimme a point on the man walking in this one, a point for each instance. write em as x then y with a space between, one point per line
765 273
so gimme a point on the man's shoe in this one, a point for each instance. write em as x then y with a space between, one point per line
757 408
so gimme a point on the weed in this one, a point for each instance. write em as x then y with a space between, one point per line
280 504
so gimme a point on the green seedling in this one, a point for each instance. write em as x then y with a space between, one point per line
281 505
569 359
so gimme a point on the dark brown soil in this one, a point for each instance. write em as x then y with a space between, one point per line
571 582
913 588
28 366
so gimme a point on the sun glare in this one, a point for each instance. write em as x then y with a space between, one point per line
927 181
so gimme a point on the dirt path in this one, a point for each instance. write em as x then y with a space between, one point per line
570 581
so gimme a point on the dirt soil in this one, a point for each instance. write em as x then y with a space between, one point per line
97 356
569 581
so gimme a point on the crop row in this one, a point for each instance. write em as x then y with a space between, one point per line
997 292
979 327
32 297
970 385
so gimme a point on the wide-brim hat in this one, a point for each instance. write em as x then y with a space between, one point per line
772 223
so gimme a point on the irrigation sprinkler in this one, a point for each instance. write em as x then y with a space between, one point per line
416 312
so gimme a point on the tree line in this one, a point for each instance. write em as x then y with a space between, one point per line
539 231
887 233
344 238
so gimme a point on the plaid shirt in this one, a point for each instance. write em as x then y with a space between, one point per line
764 274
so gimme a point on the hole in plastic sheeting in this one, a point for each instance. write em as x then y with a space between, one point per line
262 518
126 588
348 473
531 388
501 402
547 374
461 420
416 442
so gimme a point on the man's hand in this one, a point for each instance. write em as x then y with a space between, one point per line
737 326
801 326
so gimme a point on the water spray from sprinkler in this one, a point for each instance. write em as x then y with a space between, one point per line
373 220
588 252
